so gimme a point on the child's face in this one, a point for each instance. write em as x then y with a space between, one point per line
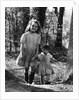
34 27
45 51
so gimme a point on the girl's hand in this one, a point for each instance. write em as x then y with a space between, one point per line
34 57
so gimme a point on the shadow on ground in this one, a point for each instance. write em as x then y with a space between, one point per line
14 84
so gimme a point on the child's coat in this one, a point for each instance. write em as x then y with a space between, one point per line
28 50
45 67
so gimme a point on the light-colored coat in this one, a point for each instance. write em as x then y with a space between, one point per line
45 67
28 49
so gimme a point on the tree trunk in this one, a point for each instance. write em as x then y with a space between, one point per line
39 14
16 30
26 15
59 32
56 11
69 69
10 36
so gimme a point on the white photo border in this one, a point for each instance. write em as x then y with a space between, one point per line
41 95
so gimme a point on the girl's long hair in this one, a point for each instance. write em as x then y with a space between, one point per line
30 23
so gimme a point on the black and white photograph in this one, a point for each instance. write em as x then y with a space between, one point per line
39 49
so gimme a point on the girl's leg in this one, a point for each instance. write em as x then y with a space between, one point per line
26 70
42 81
26 74
27 64
31 78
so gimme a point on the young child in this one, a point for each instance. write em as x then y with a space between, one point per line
45 58
30 42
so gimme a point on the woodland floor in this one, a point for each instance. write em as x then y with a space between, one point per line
14 80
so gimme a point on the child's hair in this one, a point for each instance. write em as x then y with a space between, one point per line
30 23
46 47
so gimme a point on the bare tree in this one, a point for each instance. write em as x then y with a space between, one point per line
60 24
39 14
56 11
69 69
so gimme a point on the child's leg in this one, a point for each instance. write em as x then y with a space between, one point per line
42 82
26 74
52 70
31 78
26 71
27 64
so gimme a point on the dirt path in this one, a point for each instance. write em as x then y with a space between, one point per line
16 84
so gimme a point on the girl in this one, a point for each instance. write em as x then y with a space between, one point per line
30 42
45 58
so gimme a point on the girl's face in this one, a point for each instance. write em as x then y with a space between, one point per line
34 27
45 51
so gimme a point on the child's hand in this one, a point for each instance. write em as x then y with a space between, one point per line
34 57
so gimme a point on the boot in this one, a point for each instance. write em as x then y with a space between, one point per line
26 77
31 77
